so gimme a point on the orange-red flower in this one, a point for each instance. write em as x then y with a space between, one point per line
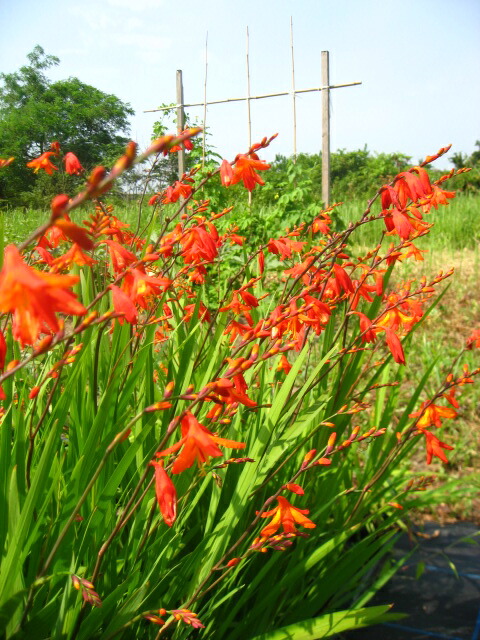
244 170
474 340
165 492
121 258
43 162
179 190
142 288
197 443
123 304
72 164
34 297
55 147
74 232
432 415
285 515
198 245
395 346
187 143
226 173
74 255
435 446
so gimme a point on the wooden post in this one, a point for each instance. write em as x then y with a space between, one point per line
325 130
180 122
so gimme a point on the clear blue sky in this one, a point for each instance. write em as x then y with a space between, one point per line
419 62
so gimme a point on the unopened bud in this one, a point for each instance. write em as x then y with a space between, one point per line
331 443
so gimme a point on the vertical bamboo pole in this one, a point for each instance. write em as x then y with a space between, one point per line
180 122
325 130
293 95
205 102
249 116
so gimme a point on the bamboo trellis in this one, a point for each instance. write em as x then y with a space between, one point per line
325 89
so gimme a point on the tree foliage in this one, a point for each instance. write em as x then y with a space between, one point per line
34 111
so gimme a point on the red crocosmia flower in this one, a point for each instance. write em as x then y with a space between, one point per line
322 224
141 287
284 247
121 258
34 297
198 245
235 328
248 298
45 257
58 206
43 162
179 190
395 346
203 312
284 365
72 164
233 237
187 143
435 446
234 391
450 397
197 444
400 222
75 233
414 252
261 262
432 415
389 196
124 305
226 173
295 488
245 170
154 199
74 255
366 327
474 340
317 315
286 516
439 196
165 492
55 147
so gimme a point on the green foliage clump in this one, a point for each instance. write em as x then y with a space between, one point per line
468 182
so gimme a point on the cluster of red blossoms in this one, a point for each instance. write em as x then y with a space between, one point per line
320 276
72 163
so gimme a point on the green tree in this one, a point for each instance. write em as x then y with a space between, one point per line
35 111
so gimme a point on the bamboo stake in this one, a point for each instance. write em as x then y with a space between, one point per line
293 95
260 97
249 116
205 102
325 131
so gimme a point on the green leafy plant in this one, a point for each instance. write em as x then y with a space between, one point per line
186 449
